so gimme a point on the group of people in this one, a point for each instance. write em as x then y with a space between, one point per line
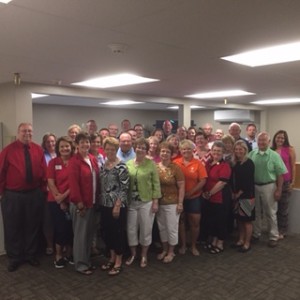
192 181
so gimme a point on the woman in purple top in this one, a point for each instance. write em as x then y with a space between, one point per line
282 146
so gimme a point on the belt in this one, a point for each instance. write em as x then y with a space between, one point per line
260 183
21 191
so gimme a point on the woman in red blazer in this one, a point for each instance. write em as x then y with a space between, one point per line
84 192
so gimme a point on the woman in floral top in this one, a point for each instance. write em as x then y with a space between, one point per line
114 189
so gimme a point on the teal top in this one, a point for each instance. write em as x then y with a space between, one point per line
145 179
268 165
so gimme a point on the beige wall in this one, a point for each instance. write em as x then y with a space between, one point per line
286 118
57 119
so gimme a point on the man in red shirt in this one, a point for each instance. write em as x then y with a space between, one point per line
22 192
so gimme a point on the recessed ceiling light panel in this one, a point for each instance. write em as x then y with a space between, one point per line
5 1
120 102
219 94
34 95
267 56
277 101
115 80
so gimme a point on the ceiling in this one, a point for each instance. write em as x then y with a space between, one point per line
179 42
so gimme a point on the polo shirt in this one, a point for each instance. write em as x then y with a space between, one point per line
268 166
58 171
220 171
193 172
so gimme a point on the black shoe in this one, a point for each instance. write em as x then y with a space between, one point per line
59 264
236 246
13 266
254 239
69 259
33 262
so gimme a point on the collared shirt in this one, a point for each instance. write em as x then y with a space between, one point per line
145 177
58 171
220 171
193 172
268 165
81 180
125 156
12 168
253 143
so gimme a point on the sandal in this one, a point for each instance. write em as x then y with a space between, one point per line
195 252
143 263
236 245
107 266
130 260
169 258
216 250
162 255
86 272
115 271
244 249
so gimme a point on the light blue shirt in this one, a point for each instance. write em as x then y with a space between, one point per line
125 156
253 143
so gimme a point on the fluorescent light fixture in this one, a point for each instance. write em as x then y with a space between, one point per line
219 94
115 80
120 102
192 107
267 56
33 95
196 106
277 101
5 1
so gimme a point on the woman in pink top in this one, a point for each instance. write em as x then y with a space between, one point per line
282 146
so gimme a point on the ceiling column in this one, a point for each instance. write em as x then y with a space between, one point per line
16 107
184 115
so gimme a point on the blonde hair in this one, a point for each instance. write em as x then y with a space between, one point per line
228 138
186 143
74 126
111 141
242 144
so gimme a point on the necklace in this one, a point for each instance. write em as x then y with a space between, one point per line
111 164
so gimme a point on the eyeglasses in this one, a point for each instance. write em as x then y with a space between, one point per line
141 148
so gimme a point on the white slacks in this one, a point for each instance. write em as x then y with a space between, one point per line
140 220
167 220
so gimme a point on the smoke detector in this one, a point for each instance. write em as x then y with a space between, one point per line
118 48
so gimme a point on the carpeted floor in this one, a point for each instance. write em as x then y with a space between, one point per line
263 273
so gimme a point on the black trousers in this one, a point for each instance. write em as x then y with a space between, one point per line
22 216
63 231
217 220
114 230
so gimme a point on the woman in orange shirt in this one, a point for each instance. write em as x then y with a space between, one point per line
195 178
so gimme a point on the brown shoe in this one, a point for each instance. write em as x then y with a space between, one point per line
272 243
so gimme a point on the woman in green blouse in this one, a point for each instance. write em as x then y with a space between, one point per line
143 201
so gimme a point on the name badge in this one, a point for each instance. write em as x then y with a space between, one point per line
58 167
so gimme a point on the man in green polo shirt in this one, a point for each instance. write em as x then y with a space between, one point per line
268 178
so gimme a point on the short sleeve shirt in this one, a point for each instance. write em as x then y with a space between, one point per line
169 177
268 165
193 172
58 171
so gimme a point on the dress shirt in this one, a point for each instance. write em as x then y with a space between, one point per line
12 168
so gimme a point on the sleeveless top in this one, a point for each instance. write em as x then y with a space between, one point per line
285 155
